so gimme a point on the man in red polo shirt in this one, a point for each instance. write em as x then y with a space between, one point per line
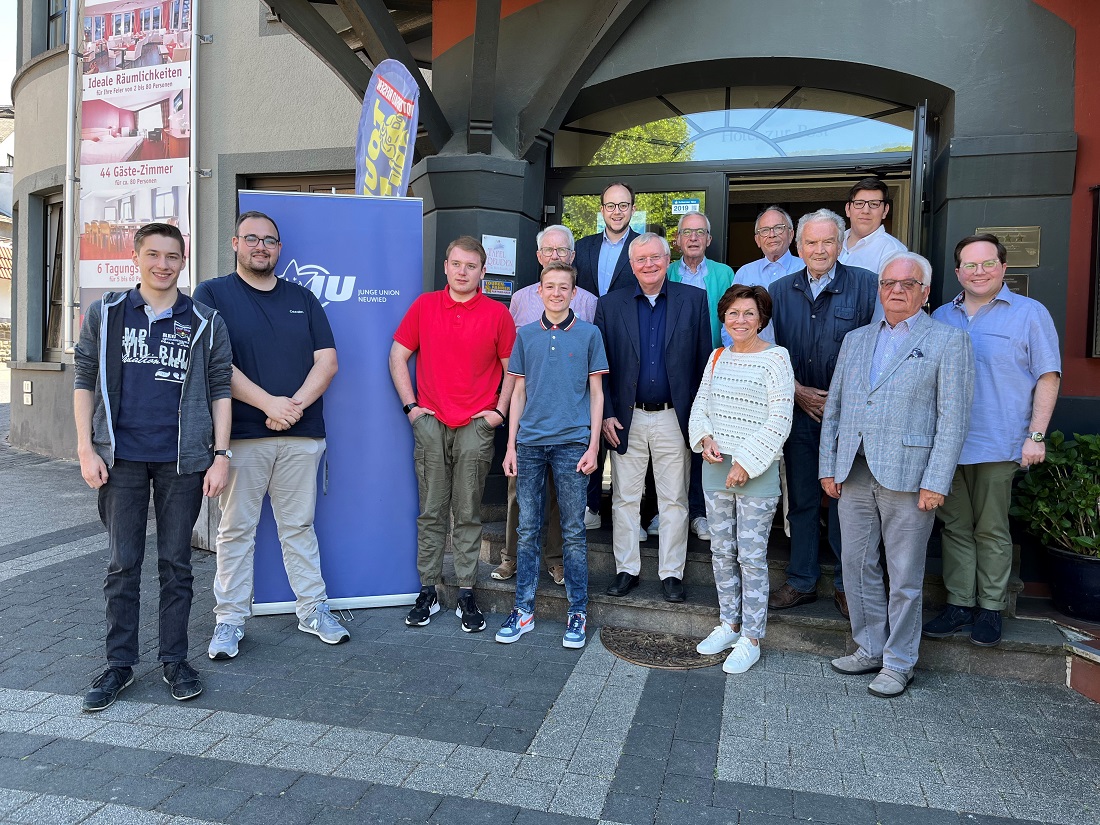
462 340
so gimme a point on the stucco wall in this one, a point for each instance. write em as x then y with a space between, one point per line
264 95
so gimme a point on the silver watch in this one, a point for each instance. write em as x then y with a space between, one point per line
1038 438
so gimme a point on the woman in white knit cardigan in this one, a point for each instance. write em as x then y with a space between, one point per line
739 421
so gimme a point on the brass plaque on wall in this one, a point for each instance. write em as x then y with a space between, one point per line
1017 282
1022 243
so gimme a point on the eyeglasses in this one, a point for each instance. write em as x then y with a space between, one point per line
649 259
256 240
694 233
772 231
748 315
617 207
908 284
552 251
989 266
871 204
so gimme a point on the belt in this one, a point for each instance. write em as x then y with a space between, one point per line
653 407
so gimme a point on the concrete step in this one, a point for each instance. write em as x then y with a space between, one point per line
1031 649
601 561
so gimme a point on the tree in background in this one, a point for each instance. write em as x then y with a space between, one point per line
662 141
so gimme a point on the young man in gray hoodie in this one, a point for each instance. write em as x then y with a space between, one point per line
152 405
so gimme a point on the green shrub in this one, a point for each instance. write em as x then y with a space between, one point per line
1059 500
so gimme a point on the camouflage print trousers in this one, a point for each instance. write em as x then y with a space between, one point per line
739 530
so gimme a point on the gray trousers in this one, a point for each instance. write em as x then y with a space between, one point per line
883 624
284 468
739 530
451 466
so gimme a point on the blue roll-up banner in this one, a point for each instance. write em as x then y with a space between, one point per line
387 130
362 258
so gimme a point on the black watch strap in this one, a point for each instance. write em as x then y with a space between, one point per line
408 408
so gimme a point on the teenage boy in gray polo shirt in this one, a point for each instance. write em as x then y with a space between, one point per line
556 410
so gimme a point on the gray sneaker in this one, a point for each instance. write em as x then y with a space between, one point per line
223 644
855 664
322 624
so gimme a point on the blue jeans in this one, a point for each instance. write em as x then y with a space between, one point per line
572 489
804 492
124 510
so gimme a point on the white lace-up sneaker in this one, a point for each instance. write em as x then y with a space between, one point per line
721 638
743 656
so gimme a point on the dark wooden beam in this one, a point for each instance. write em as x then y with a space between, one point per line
313 30
372 21
483 77
606 23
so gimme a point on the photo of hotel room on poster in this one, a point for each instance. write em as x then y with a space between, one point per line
135 134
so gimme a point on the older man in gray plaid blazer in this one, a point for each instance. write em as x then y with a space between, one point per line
894 424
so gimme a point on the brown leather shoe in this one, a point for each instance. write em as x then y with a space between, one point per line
557 573
840 602
786 597
505 570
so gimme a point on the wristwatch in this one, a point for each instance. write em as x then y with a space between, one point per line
1038 438
226 453
408 408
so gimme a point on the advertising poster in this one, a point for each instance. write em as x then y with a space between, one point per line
367 496
135 134
387 130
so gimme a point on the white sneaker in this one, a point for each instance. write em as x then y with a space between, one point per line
721 638
655 525
743 656
701 528
592 521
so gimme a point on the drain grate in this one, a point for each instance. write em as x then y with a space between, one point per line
664 651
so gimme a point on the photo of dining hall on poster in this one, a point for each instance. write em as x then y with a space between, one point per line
135 134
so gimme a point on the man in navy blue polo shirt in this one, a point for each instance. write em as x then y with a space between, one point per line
557 406
284 357
152 406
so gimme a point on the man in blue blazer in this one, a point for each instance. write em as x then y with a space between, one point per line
602 260
895 420
657 338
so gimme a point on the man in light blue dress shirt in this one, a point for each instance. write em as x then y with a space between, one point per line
773 233
1017 375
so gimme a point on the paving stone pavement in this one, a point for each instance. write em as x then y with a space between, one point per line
433 725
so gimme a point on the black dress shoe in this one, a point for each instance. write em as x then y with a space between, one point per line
673 588
623 584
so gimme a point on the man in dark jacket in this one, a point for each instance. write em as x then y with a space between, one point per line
152 405
812 310
657 338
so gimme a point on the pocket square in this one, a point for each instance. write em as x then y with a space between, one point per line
915 353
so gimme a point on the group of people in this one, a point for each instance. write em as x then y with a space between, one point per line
820 374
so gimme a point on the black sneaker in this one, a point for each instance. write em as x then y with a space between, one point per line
473 621
949 622
183 679
106 688
427 605
987 628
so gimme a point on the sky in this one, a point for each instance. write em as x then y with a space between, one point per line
7 49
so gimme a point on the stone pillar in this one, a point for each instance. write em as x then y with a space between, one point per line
475 195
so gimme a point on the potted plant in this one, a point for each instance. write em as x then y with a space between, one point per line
1058 502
